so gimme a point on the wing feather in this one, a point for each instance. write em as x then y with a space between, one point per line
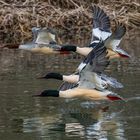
114 40
95 64
45 36
96 61
67 85
101 24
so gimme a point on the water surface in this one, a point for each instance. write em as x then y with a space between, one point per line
25 117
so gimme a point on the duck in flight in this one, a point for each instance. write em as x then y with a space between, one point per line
95 64
72 80
44 41
101 31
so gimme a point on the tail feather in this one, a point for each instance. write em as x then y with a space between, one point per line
122 53
114 97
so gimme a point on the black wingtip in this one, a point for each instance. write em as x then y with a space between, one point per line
100 19
120 30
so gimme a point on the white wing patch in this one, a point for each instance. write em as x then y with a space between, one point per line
100 34
96 32
105 35
81 66
42 38
95 41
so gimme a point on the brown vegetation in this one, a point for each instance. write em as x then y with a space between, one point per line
73 17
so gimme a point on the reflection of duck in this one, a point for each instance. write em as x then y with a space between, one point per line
74 121
93 128
94 123
90 83
44 41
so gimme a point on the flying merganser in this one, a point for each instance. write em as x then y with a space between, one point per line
90 84
101 31
44 41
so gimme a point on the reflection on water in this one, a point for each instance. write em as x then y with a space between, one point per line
82 124
25 117
51 118
71 121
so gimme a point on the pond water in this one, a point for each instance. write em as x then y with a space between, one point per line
25 117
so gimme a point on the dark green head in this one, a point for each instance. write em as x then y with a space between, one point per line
48 93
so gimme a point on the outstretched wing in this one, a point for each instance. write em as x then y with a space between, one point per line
45 36
101 25
35 31
67 85
96 60
114 40
44 41
94 64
